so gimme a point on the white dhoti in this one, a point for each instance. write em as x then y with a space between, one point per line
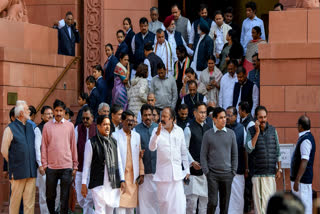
197 190
104 197
122 210
85 203
236 203
262 189
41 184
305 194
171 197
148 199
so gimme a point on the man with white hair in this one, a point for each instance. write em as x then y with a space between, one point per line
104 109
19 138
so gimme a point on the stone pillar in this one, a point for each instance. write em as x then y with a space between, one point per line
290 76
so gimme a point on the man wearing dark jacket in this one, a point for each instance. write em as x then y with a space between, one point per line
262 144
68 36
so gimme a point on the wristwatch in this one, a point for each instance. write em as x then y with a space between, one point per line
280 170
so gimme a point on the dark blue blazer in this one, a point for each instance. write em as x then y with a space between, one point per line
122 48
102 88
128 41
109 77
94 101
67 45
205 50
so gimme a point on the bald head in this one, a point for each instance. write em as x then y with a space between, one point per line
304 123
151 99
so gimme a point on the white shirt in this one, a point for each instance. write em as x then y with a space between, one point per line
76 134
219 41
37 143
173 44
171 152
69 31
305 147
164 51
246 31
255 99
226 90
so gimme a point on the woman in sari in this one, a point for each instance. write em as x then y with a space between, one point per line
121 81
252 48
231 50
210 78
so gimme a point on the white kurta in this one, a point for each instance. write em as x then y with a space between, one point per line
173 44
226 90
195 56
236 203
148 198
164 51
104 197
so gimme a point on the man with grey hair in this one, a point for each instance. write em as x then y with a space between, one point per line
155 24
104 109
19 150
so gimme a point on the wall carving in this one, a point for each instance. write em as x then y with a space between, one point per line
13 10
93 29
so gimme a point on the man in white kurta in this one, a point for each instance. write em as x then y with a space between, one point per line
129 146
83 132
198 187
163 49
168 140
46 115
105 197
227 85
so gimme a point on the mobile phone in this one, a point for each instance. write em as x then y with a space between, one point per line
186 181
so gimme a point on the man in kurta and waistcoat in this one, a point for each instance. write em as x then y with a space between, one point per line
102 163
18 149
301 172
129 146
198 187
262 144
148 199
155 24
83 132
183 24
168 140
236 204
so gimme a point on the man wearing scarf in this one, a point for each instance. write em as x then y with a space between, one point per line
132 164
203 49
83 132
163 49
174 37
102 161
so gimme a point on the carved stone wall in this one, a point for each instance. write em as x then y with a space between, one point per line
93 30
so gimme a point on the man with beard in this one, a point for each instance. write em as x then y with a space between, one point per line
129 146
182 119
148 201
198 187
59 157
104 169
262 144
46 116
18 149
83 132
237 190
168 140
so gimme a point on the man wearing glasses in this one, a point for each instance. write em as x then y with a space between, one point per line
198 187
83 132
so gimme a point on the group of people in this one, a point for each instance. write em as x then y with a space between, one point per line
171 124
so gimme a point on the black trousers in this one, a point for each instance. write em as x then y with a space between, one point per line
52 177
222 185
248 199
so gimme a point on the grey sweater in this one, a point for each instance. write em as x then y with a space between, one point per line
219 152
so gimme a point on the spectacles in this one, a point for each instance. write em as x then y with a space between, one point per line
85 118
48 113
130 121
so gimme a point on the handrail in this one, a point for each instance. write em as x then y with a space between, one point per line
44 99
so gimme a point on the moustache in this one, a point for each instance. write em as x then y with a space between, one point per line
130 124
163 122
